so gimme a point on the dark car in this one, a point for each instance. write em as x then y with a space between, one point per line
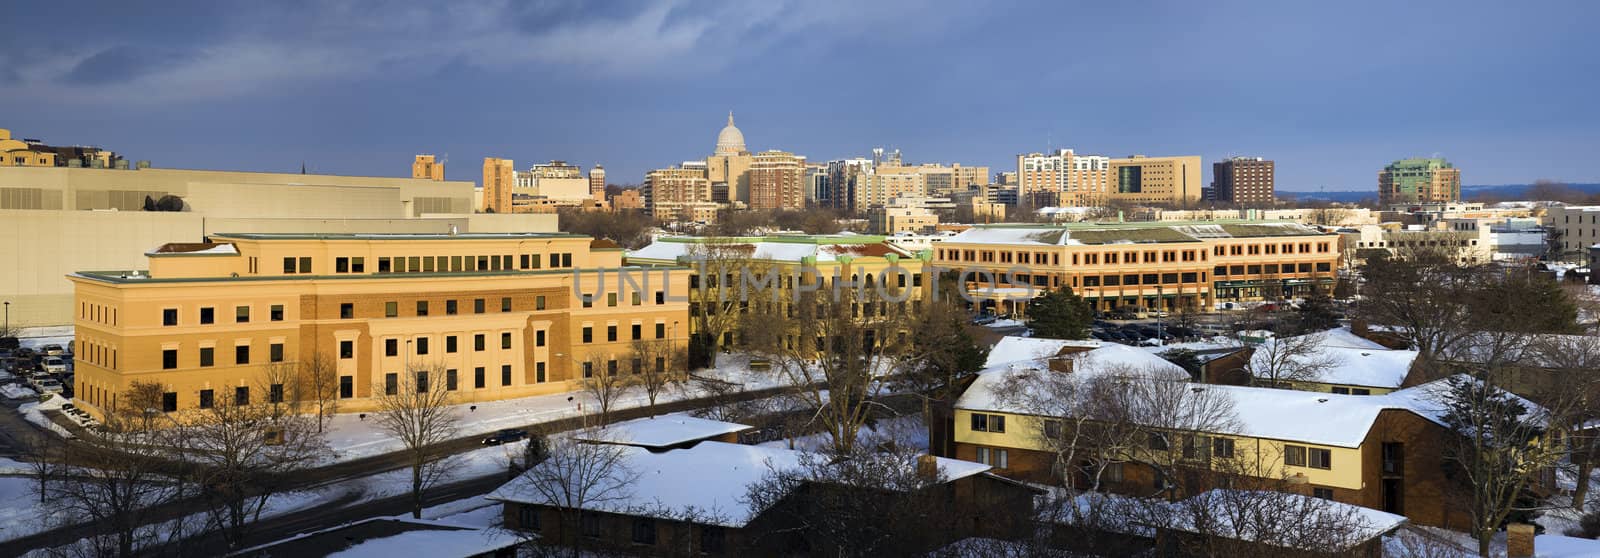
505 436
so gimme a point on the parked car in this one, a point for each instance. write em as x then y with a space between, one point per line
52 350
505 436
55 365
984 320
50 386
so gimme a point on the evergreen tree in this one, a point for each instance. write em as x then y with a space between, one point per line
1060 314
1316 313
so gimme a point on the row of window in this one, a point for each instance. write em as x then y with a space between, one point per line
207 356
1270 269
637 331
422 346
1128 257
1270 249
208 315
97 313
299 265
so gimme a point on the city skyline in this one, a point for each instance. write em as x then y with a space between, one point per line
1332 93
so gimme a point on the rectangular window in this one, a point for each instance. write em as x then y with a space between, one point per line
241 354
611 333
450 344
358 265
391 347
505 304
1294 455
1222 447
638 331
505 374
422 308
538 302
169 402
644 531
538 371
661 331
988 423
449 307
207 398
1157 441
422 345
1318 458
391 309
450 379
275 393
477 306
241 395
341 265
478 342
347 349
383 265
477 377
1342 390
422 381
208 356
1323 493
611 299
169 317
275 352
588 370
347 387
305 265
588 334
288 265
208 315
347 311
538 338
505 340
589 524
275 313
391 383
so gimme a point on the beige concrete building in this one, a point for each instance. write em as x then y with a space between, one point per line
499 178
777 181
896 218
672 193
1469 246
1419 180
1075 180
630 200
489 316
424 167
1575 228
18 153
1166 180
597 182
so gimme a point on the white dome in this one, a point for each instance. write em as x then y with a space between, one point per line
730 141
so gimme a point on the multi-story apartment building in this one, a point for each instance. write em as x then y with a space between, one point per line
1383 452
897 218
1167 180
1468 245
817 191
1076 180
490 316
1419 180
1574 228
1150 265
674 192
597 182
33 153
1246 181
845 178
425 167
499 179
629 200
777 181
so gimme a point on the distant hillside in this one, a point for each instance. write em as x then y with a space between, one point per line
1508 191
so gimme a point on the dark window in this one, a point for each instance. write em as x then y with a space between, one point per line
477 377
505 374
341 265
275 313
661 297
538 372
505 340
589 524
347 311
644 530
505 304
169 402
347 349
450 379
1319 458
208 356
275 393
538 302
477 306
422 308
207 398
358 265
661 331
422 345
1157 441
288 265
450 307
611 333
1360 391
1294 455
588 334
611 299
241 395
1222 447
391 347
241 314
638 331
588 370
169 317
391 383
422 381
988 423
528 516
275 352
477 342
712 540
305 265
347 388
391 309
538 338
1323 493
450 344
208 315
241 354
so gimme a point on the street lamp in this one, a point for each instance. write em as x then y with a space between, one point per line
1161 305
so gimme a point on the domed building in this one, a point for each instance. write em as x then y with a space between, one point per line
730 141
728 167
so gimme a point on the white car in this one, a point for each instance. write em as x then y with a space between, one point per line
55 365
50 386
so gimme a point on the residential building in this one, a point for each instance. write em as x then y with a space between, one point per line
1243 181
499 178
1163 180
677 192
379 536
1419 180
1573 229
57 220
776 181
1064 178
1383 452
1465 246
941 180
1005 178
34 153
597 182
491 316
817 190
896 218
1334 361
629 200
847 177
1150 265
424 167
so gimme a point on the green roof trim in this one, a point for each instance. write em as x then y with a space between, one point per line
816 239
398 236
117 277
1134 224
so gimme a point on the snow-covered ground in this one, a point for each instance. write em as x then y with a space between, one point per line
34 413
909 431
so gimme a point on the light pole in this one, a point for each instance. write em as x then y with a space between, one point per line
7 330
1161 305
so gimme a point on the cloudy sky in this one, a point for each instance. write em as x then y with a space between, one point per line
1331 90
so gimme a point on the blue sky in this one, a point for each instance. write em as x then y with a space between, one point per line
1331 90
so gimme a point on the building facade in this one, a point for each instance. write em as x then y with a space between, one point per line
777 181
499 179
1163 180
34 153
1573 229
1419 180
424 167
1246 181
673 193
1148 265
491 316
597 182
1076 180
897 218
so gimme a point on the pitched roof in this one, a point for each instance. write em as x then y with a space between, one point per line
662 431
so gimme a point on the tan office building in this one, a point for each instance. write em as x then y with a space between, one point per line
491 316
1168 180
669 192
424 167
777 180
499 178
1419 181
1063 178
597 182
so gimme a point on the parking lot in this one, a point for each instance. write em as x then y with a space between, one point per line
26 372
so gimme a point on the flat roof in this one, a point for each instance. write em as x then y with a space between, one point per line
398 236
143 276
662 431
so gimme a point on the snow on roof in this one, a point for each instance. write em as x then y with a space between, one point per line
822 250
1039 236
709 480
1016 349
1364 523
986 391
663 431
1558 546
439 544
1349 359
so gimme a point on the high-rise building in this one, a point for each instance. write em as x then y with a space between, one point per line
1168 180
817 184
499 178
424 167
777 181
675 192
1419 180
1245 181
845 178
597 182
1080 180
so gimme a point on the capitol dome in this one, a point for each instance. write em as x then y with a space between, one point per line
730 141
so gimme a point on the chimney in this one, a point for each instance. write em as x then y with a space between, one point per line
1061 364
1358 327
1519 540
928 467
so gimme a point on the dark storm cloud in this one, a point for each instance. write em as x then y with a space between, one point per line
122 63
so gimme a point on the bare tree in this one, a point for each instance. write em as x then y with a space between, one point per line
413 409
603 382
1283 361
319 387
575 476
657 363
1267 521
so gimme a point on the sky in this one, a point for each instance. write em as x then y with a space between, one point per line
1332 91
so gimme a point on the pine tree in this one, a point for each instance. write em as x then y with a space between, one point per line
1060 314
